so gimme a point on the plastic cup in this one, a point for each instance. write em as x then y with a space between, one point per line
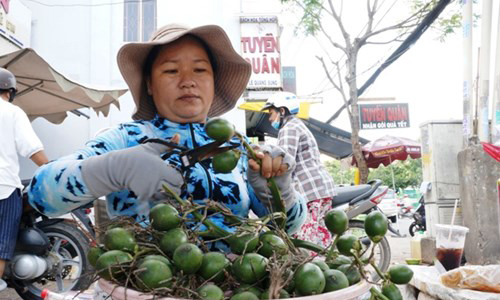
450 247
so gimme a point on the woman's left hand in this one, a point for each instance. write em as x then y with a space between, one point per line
276 163
272 161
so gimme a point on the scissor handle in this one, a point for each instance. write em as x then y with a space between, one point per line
166 143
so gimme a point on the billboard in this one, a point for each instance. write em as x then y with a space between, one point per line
260 47
384 116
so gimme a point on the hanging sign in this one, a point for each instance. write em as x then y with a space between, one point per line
384 116
260 47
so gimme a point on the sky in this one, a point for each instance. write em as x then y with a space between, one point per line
428 76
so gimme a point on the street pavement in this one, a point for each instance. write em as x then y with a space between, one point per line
9 294
400 246
400 250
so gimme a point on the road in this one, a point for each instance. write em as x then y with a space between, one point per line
400 246
400 250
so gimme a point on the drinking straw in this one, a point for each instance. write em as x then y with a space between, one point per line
453 219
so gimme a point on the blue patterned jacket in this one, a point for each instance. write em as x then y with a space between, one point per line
58 187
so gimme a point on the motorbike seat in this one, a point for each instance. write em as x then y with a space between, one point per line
346 193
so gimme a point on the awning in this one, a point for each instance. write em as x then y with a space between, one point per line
44 92
257 106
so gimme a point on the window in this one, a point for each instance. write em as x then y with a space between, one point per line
148 18
139 20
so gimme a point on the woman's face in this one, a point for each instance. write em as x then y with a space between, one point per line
273 114
182 81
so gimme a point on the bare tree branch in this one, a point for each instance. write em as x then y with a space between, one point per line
332 81
346 101
371 10
327 53
334 44
326 9
397 38
413 18
384 43
337 18
341 8
374 8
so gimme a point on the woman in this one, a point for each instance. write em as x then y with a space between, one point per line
310 177
178 79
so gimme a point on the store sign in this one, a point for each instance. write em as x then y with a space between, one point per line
260 47
15 22
384 116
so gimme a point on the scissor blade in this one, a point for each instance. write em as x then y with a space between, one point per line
214 152
193 156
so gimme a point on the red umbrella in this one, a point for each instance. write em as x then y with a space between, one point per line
387 149
492 150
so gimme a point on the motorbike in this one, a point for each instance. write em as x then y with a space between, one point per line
363 199
50 253
418 223
406 211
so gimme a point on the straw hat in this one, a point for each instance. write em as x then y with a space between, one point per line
230 79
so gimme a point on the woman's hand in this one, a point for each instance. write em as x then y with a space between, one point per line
278 164
138 169
271 166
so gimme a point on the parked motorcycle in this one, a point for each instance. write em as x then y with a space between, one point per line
50 253
418 223
362 199
406 211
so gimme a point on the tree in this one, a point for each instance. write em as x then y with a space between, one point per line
339 175
407 173
324 19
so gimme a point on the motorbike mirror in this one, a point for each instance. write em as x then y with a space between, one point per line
425 186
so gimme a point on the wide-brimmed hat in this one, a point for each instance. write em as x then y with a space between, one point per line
230 78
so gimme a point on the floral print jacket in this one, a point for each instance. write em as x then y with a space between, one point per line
58 187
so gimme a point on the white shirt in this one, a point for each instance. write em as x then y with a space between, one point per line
16 137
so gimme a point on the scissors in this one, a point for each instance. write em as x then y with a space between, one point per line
190 157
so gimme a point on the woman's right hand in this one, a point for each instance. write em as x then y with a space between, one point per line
138 169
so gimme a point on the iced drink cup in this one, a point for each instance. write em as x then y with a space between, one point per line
449 248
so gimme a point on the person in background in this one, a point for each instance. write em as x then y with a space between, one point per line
310 177
17 138
178 80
